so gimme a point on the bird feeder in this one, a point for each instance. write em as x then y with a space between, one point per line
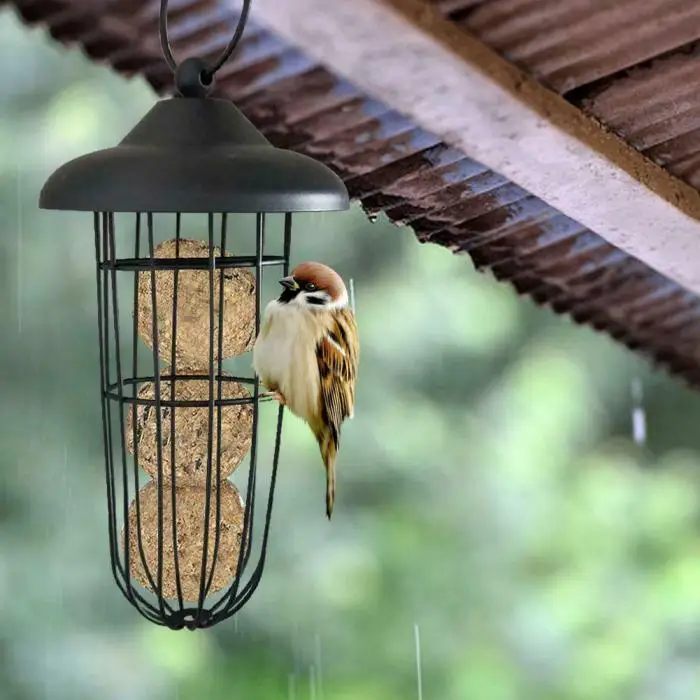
187 548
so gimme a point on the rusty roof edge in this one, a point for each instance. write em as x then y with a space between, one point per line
502 118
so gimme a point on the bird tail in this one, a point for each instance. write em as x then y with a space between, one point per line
327 439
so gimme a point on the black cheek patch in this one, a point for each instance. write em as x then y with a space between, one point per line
317 301
287 296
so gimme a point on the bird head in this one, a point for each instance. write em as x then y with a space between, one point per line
313 285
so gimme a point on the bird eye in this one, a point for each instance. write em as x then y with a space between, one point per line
310 287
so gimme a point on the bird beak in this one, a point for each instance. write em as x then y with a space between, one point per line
289 283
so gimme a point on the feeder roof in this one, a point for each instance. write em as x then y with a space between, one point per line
194 155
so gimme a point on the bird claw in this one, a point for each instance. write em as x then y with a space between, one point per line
277 396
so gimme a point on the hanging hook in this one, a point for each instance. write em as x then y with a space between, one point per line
163 32
238 33
227 52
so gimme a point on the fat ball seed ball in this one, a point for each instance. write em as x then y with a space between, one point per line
189 504
193 295
191 435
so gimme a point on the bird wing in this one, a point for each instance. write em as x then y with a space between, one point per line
338 353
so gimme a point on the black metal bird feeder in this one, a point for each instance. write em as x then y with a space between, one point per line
182 544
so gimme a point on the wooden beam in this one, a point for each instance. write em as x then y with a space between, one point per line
406 54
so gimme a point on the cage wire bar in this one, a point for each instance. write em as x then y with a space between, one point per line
120 382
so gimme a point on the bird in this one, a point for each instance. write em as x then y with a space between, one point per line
307 353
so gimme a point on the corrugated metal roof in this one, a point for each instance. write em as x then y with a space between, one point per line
657 109
391 165
633 64
570 43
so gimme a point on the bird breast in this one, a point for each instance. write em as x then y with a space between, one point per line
284 356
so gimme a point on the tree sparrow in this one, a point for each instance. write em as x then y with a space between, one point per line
307 353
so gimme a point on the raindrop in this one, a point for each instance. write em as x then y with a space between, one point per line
297 647
20 226
352 294
372 216
419 665
639 416
66 483
319 669
312 682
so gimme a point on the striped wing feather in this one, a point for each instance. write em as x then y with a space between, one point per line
338 354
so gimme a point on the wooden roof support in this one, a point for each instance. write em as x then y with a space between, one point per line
404 53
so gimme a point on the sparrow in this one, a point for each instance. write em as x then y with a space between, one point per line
307 353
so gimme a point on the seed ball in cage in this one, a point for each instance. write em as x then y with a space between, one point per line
189 505
192 319
191 435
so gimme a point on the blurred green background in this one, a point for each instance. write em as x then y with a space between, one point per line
490 493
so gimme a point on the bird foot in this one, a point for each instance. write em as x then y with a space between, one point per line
277 396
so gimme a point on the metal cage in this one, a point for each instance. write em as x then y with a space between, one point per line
189 156
124 371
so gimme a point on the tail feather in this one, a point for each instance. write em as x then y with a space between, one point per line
328 443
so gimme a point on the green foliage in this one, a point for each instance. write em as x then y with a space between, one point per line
488 490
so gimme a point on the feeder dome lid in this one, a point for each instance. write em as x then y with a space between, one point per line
194 154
